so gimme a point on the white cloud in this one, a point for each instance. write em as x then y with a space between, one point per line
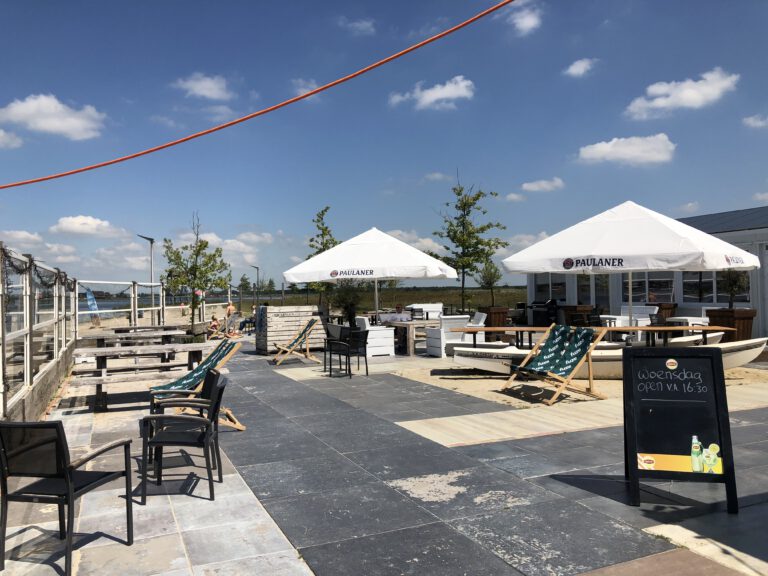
663 97
301 86
220 113
520 241
198 85
439 96
430 29
165 121
60 249
515 197
761 197
689 208
525 19
635 150
580 67
544 185
362 27
254 238
20 238
44 113
85 226
755 121
9 140
437 177
412 238
296 259
66 259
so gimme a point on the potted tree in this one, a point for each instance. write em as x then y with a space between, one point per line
733 282
347 296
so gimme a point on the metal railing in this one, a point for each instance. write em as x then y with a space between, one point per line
36 322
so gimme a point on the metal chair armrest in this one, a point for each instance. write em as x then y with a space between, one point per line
98 452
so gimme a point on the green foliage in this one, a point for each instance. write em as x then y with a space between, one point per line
467 243
244 286
270 287
195 267
321 242
487 278
347 296
733 282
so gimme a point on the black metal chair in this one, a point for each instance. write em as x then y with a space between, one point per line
162 430
39 450
351 343
332 334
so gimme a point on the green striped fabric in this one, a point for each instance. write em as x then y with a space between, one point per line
577 348
190 380
550 351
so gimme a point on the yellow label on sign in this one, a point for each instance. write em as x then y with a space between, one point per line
676 463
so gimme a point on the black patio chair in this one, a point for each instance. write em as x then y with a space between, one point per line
39 450
162 430
351 343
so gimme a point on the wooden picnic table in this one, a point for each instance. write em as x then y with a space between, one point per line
165 336
410 328
164 351
520 331
123 329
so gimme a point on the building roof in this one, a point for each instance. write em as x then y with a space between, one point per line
747 219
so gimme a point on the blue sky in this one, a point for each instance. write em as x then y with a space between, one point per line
563 108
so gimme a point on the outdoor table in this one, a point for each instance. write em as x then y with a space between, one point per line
165 336
123 329
665 331
519 331
410 327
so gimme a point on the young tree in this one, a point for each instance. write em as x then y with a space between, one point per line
467 244
321 242
270 288
487 278
195 267
244 286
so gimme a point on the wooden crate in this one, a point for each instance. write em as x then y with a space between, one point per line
280 324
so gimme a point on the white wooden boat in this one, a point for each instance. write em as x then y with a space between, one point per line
606 361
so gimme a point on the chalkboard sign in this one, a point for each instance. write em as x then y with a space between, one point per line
676 418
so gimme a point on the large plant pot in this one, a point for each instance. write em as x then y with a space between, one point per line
739 318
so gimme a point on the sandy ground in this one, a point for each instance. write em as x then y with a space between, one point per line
489 386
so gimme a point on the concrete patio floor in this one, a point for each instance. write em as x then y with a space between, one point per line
326 480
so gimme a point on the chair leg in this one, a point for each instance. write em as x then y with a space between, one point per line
144 471
128 496
3 522
159 465
365 357
62 523
218 457
70 533
349 366
207 451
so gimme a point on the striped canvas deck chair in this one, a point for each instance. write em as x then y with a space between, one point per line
299 345
190 386
545 354
561 374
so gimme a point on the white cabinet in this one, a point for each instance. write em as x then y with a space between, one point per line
381 341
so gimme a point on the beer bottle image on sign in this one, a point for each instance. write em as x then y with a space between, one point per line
695 454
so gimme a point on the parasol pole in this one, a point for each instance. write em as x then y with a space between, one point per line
376 298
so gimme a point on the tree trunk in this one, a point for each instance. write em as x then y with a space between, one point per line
493 298
463 276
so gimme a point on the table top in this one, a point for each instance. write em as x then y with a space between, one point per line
147 334
406 323
502 329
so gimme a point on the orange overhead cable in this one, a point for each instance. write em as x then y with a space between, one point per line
264 111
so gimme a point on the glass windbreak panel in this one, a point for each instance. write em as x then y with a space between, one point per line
557 283
639 287
43 285
661 286
43 346
583 289
104 304
602 297
698 287
541 286
14 365
14 297
735 281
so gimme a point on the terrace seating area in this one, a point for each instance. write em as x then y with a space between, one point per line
357 475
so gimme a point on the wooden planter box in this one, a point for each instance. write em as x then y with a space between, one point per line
739 318
280 324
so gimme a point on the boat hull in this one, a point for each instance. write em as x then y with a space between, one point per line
606 363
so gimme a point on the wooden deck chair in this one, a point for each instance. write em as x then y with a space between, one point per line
579 350
545 353
299 345
191 385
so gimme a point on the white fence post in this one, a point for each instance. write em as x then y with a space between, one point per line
29 320
162 303
134 303
3 384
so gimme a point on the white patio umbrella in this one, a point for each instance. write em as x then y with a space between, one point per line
372 255
630 238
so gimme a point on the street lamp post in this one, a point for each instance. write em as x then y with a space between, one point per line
151 268
258 287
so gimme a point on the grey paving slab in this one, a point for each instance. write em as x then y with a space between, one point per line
533 465
303 476
146 557
558 537
353 512
400 415
244 540
430 550
306 404
406 460
548 443
493 451
751 455
581 484
277 564
748 434
256 449
470 492
679 562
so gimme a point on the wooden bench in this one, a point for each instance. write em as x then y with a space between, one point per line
105 339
